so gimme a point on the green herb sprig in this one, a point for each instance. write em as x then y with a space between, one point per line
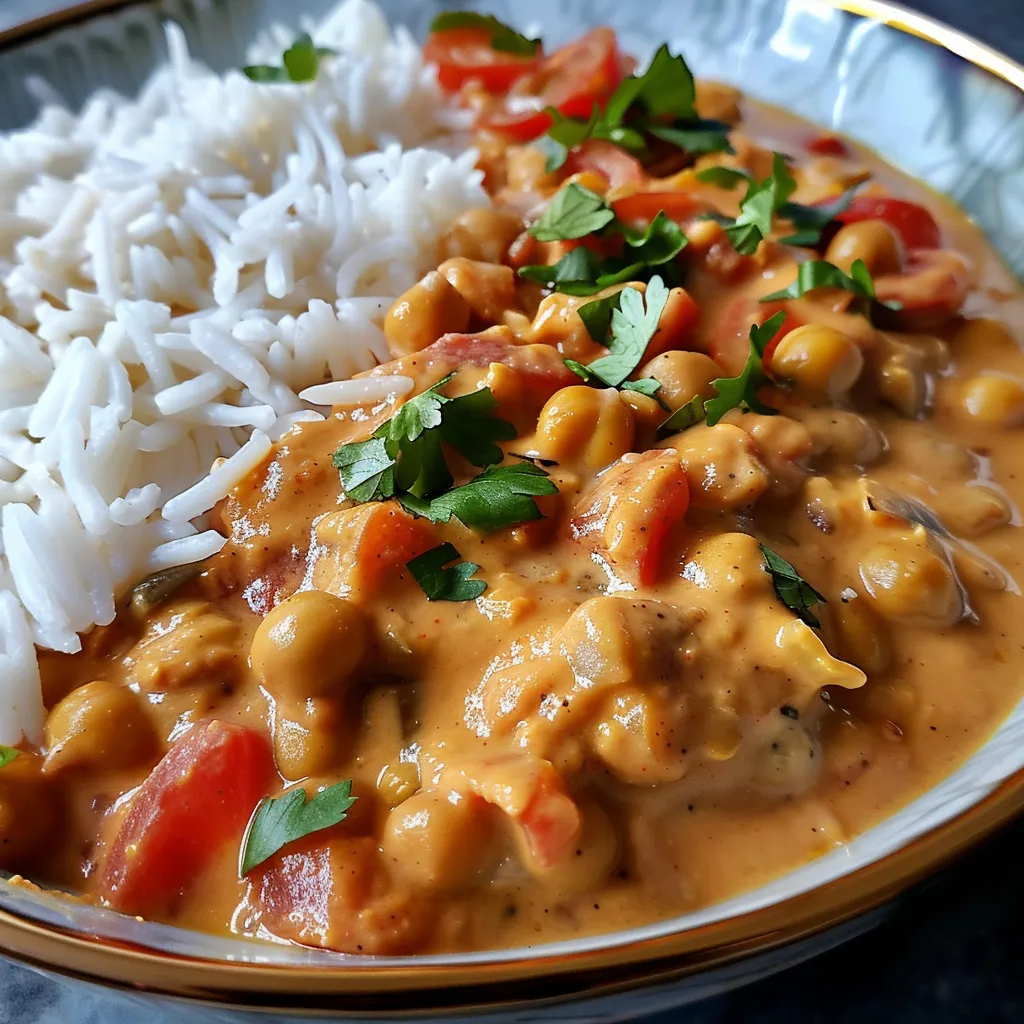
793 591
442 581
822 274
301 63
503 37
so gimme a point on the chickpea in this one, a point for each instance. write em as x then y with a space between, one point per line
488 288
648 414
909 582
683 376
308 645
722 467
591 861
439 840
558 323
994 399
785 758
397 782
818 359
636 737
525 168
306 736
28 815
863 639
716 101
420 316
483 234
981 335
973 508
872 241
588 425
98 725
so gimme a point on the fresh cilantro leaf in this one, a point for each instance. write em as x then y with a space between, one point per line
648 386
811 221
597 316
633 324
697 136
741 391
724 177
301 63
471 428
578 268
423 412
441 584
793 591
759 206
7 755
421 468
278 821
503 37
367 470
662 240
665 88
822 274
573 212
582 370
685 416
500 496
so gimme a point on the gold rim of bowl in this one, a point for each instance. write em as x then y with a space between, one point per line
482 984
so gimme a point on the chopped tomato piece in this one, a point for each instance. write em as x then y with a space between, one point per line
366 547
571 80
643 207
914 224
462 54
730 344
195 801
931 289
677 324
827 145
612 162
336 895
631 511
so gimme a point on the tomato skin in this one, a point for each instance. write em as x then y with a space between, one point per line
571 80
913 223
730 344
462 54
643 207
930 291
197 799
827 145
612 162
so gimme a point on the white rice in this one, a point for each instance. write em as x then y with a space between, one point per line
182 276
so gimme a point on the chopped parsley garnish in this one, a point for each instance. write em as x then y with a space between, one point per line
405 454
793 591
7 755
739 392
503 37
822 274
811 221
446 584
573 212
659 102
760 204
581 272
500 496
301 63
290 816
633 323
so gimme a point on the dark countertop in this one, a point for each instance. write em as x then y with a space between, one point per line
953 952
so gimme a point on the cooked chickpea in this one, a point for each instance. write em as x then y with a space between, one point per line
818 359
683 376
908 581
439 840
635 736
587 425
591 860
483 234
306 736
863 639
420 316
28 815
99 725
784 756
488 288
973 508
308 645
872 241
397 782
722 467
994 399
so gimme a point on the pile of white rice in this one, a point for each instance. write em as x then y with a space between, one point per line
174 271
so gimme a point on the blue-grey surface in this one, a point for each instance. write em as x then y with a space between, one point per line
954 952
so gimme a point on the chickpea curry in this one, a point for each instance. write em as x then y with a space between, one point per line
675 546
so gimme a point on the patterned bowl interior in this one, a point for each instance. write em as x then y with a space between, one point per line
926 110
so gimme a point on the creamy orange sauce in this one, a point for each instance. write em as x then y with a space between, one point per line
707 739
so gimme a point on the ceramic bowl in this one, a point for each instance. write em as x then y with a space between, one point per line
941 106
